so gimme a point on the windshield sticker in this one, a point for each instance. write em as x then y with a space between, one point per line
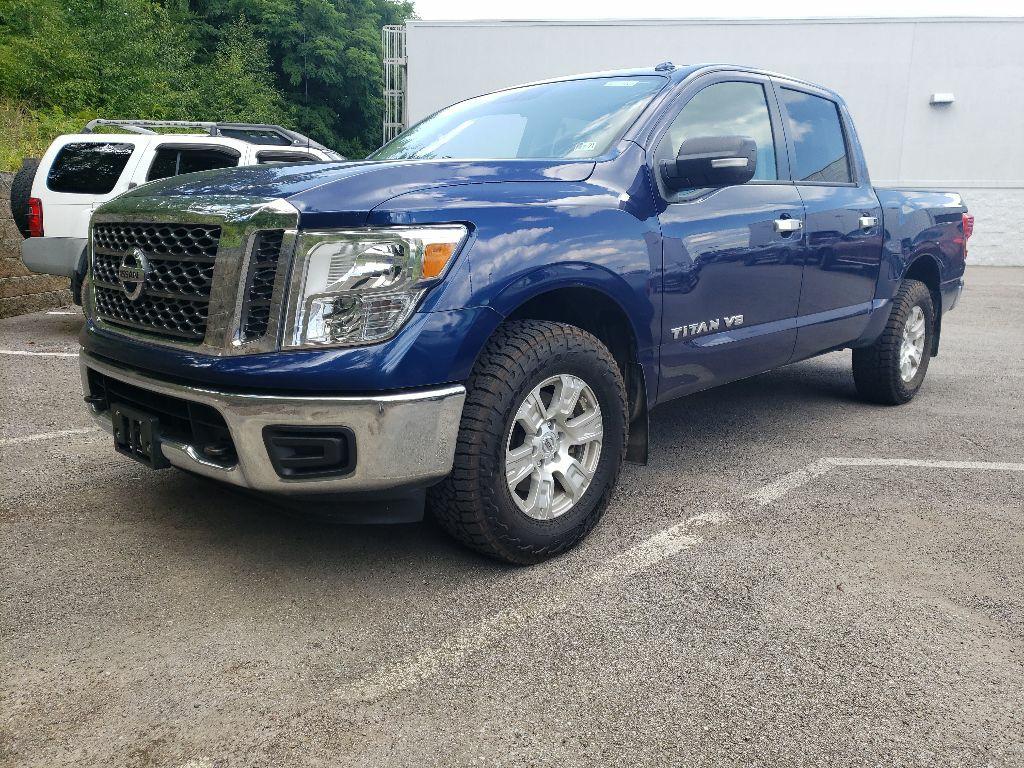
585 146
616 83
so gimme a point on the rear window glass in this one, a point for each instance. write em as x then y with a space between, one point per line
172 161
256 136
272 157
817 134
88 168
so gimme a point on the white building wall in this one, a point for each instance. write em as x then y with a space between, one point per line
885 69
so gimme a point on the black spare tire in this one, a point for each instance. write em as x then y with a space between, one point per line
21 191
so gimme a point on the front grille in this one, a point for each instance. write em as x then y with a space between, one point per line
169 240
179 318
175 298
182 420
167 277
260 283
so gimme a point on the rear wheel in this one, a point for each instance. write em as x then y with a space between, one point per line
541 443
21 191
892 369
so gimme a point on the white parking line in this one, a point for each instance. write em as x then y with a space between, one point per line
776 490
60 312
40 354
47 436
418 668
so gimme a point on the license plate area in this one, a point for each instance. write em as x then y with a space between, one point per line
137 435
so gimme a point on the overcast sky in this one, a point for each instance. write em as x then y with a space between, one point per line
674 9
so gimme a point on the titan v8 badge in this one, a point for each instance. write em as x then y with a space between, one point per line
706 326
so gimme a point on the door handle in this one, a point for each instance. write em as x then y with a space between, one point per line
867 222
785 226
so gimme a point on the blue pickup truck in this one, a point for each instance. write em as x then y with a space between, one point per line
479 318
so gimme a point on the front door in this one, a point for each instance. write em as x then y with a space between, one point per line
731 256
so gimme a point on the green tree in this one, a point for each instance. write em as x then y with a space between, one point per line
124 58
42 56
313 65
327 59
238 84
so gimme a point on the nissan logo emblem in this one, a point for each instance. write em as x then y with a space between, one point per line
133 272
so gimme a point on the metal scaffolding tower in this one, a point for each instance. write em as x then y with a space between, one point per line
393 45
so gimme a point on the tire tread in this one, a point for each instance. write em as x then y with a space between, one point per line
21 191
876 371
460 503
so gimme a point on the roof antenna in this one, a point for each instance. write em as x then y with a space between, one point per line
665 66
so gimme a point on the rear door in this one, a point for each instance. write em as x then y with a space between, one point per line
731 255
842 226
79 173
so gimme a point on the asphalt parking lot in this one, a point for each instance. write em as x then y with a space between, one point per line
797 578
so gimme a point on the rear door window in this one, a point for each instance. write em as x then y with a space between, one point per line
88 168
816 131
174 160
276 157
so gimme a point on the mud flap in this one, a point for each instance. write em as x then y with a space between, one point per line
637 442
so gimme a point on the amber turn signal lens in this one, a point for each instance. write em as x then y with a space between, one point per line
435 256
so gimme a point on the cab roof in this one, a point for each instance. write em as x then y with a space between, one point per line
679 72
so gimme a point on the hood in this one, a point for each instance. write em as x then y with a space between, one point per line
343 194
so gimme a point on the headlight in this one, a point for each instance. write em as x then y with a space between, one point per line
360 286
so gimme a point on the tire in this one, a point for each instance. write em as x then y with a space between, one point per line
877 369
21 191
475 503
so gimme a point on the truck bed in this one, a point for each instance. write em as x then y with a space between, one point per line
921 222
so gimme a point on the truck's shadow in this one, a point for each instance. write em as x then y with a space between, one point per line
267 534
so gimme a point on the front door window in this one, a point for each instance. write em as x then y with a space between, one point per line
725 109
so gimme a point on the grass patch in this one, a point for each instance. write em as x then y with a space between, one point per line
28 132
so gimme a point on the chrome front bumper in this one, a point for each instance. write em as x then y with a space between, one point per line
402 439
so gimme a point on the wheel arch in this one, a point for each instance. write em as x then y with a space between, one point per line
592 307
926 268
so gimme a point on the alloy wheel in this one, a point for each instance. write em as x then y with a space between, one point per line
553 447
912 345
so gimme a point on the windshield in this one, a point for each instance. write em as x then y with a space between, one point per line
568 119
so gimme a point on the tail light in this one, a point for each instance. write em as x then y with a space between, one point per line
967 227
35 217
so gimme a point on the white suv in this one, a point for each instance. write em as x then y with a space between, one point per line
52 202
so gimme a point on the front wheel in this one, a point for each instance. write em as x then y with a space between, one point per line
892 369
541 443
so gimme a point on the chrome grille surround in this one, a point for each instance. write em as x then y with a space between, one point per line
222 285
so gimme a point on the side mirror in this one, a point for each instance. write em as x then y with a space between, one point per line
711 161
